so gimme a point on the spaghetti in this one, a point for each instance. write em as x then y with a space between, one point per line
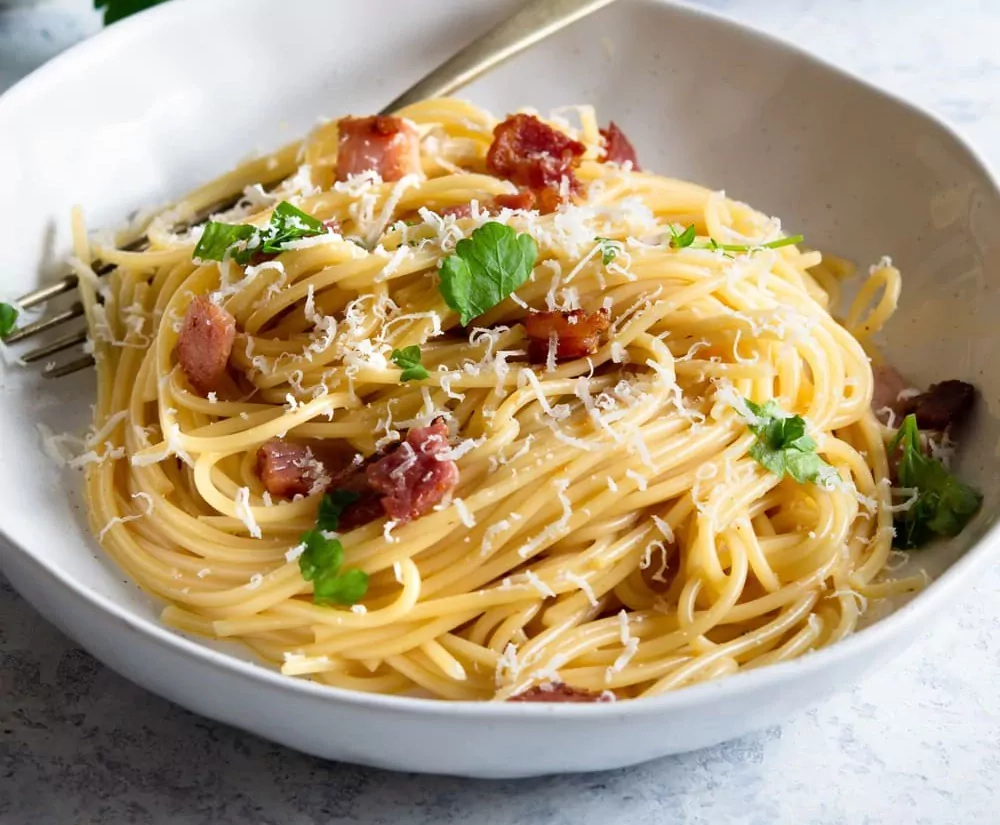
608 530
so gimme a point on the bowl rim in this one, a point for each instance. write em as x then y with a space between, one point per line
879 633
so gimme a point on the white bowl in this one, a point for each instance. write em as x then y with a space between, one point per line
169 98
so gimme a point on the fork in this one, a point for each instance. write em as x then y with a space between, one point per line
533 22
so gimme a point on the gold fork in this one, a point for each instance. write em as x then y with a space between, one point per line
533 22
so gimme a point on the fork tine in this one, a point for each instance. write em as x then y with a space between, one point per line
44 324
69 367
58 345
64 284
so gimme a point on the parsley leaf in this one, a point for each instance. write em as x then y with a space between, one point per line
331 507
408 360
287 224
679 240
609 249
8 318
944 505
115 10
486 267
783 446
218 237
322 557
347 588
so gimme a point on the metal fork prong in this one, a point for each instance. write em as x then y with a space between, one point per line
71 339
44 324
65 284
69 367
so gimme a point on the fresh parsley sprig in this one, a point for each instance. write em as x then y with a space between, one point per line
287 224
486 268
408 360
609 249
943 506
783 446
8 319
682 239
323 556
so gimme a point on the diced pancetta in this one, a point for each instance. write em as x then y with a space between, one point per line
204 345
524 200
288 469
617 147
572 333
533 155
387 145
560 692
414 476
945 405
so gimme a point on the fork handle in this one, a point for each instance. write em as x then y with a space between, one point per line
533 22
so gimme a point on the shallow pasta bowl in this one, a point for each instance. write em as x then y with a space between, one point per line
166 100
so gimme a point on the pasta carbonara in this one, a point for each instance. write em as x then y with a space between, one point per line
476 409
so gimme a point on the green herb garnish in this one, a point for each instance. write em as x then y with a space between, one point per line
8 318
323 556
287 224
783 446
609 249
408 360
486 267
681 239
115 10
331 507
943 506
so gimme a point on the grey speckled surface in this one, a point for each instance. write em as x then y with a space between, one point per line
917 742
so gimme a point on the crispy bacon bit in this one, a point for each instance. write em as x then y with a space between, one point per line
388 145
534 155
204 345
288 469
944 405
574 333
890 392
617 147
415 476
560 692
463 210
524 199
365 510
368 506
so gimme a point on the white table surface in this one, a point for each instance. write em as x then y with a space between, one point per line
918 742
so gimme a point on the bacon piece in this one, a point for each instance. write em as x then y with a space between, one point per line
560 692
524 199
618 148
944 405
204 345
415 476
368 506
534 155
364 511
463 210
574 333
890 391
288 469
388 145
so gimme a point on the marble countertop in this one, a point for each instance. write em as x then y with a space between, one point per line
917 742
